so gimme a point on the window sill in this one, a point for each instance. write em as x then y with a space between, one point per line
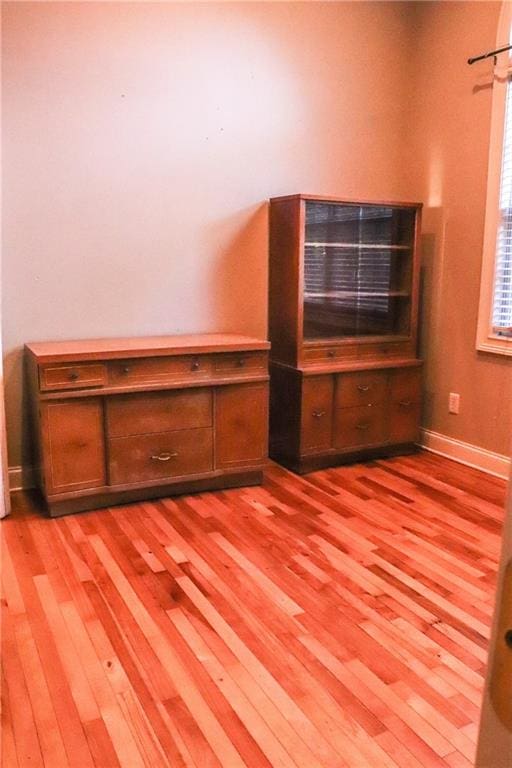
495 346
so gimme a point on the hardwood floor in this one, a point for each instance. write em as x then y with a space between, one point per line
338 619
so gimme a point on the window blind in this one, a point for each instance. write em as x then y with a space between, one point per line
502 296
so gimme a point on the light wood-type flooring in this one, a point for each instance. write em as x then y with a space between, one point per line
339 619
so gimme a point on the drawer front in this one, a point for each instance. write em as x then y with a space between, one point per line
406 385
329 354
404 422
140 414
160 456
158 370
361 388
72 376
359 426
240 362
316 415
380 350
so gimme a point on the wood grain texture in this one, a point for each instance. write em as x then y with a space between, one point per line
102 445
311 339
340 619
145 346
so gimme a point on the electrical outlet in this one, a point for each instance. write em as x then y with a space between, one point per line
453 402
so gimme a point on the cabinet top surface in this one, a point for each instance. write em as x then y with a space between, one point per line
347 201
145 346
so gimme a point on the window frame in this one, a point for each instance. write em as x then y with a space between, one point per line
487 340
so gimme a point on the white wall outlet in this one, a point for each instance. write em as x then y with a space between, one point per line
453 402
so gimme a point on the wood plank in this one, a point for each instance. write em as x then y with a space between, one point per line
338 620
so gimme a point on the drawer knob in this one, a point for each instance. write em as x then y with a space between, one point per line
318 414
331 353
405 403
363 389
241 362
74 375
195 365
126 369
362 426
164 456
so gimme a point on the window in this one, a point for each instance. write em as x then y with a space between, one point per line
495 312
502 294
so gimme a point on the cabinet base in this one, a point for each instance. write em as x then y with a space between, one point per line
98 500
301 465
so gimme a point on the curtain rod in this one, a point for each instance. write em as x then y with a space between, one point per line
491 53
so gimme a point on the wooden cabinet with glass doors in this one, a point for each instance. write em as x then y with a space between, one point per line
343 316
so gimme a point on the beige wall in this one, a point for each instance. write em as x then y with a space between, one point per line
447 169
141 142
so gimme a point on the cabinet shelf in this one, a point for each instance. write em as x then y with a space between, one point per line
356 294
369 246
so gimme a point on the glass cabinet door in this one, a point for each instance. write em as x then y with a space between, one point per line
357 270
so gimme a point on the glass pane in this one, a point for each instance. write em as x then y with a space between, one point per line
357 270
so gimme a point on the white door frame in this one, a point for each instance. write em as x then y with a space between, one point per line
495 740
5 502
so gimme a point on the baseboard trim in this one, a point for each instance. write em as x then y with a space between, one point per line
21 478
471 455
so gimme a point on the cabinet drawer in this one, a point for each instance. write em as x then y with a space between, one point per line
406 385
240 362
361 388
157 370
384 349
140 414
318 355
359 426
316 414
72 376
161 455
404 419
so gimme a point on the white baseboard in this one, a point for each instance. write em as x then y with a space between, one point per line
21 478
471 455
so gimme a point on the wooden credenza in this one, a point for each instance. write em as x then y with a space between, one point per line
119 420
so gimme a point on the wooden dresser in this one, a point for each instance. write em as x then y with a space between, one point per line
119 420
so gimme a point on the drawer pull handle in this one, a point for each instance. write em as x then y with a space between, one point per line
241 362
363 389
195 365
164 456
405 403
74 375
331 353
318 414
362 426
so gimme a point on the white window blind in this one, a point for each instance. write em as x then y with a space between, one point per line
502 295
